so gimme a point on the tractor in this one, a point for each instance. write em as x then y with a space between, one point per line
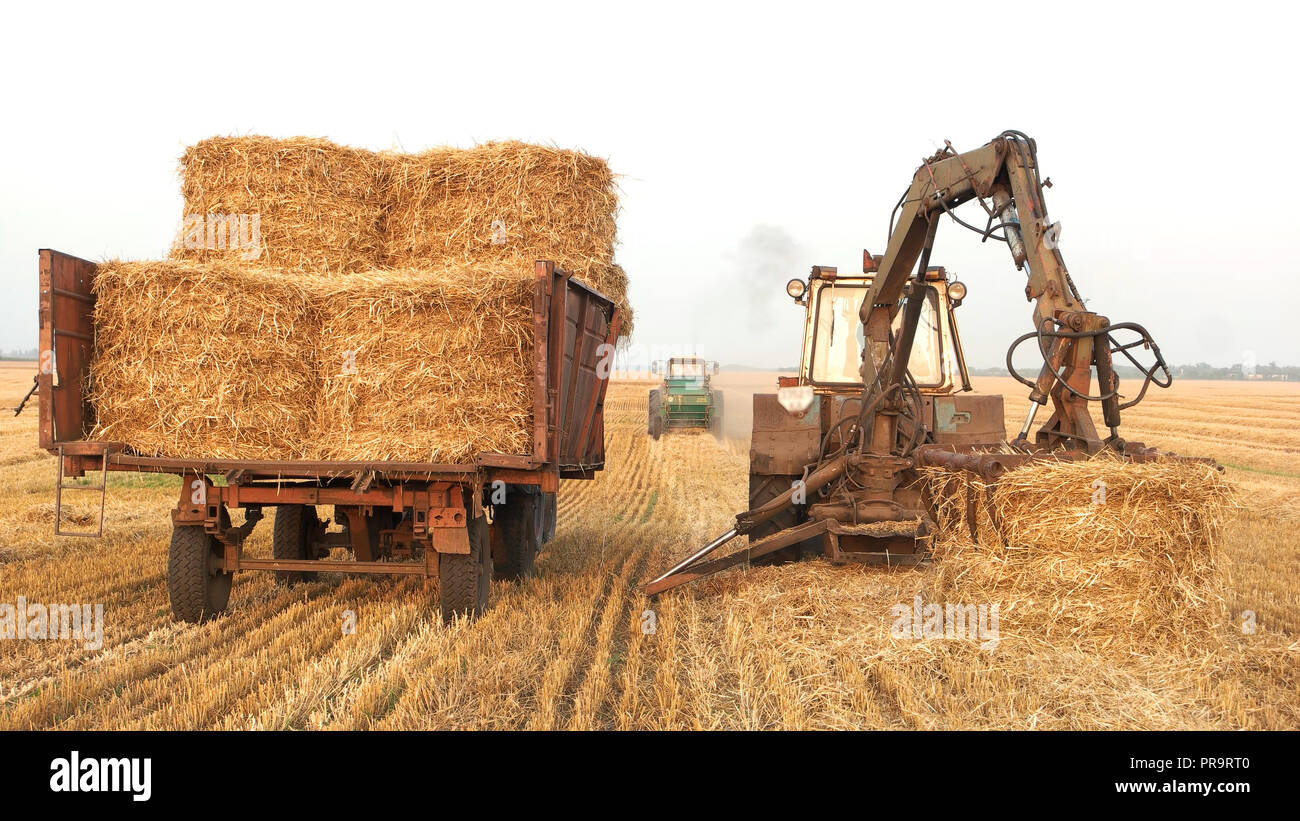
685 398
793 426
881 395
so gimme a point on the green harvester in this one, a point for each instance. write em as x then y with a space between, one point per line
685 399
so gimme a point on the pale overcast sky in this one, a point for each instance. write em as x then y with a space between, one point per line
756 140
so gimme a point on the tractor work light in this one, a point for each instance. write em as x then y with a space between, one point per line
796 289
957 291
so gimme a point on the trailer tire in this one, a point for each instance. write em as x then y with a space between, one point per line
196 586
763 489
465 580
522 520
655 423
291 539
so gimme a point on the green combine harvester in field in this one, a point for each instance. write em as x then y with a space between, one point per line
685 399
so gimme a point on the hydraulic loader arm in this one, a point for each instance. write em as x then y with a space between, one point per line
1005 173
1002 171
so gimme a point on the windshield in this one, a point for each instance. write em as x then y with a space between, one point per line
688 368
838 338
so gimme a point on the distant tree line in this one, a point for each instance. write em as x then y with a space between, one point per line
29 353
1200 370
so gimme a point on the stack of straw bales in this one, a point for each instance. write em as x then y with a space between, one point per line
1134 571
387 313
329 208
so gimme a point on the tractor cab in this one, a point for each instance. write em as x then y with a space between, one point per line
833 337
795 428
829 374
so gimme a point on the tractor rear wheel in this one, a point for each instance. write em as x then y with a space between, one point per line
196 585
465 580
763 489
291 538
655 423
521 520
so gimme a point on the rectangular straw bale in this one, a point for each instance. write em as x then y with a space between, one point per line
202 360
438 365
1131 570
319 205
504 205
505 202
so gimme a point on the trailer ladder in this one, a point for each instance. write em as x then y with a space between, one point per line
95 449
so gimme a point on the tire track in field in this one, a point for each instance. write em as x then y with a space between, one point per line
193 645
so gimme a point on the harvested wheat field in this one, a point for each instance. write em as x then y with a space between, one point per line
799 646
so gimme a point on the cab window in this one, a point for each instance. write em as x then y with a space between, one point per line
838 338
837 335
686 369
925 363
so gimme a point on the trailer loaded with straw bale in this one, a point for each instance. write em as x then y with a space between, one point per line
419 342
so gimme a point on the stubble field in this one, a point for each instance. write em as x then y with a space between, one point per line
799 646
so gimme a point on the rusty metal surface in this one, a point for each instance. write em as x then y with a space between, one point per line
269 468
101 489
594 446
987 466
66 339
816 480
546 304
771 544
783 443
434 521
588 325
965 419
334 566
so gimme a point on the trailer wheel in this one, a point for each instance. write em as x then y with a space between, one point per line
465 581
763 489
715 415
655 423
196 586
523 520
291 539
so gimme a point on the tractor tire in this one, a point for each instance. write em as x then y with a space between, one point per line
465 581
763 489
522 520
716 417
295 525
196 586
655 422
550 509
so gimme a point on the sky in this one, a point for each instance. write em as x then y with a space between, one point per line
753 141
